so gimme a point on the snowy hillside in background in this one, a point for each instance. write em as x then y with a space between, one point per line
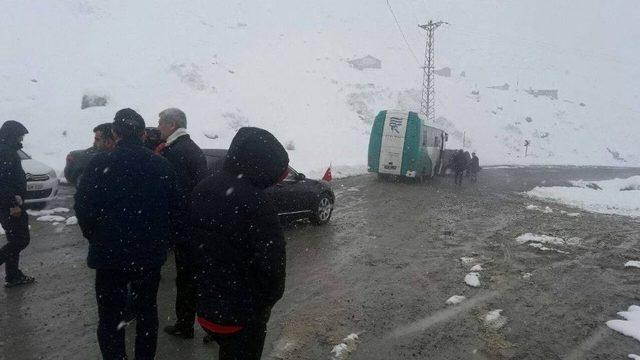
283 66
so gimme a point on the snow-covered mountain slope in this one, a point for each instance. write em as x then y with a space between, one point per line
283 66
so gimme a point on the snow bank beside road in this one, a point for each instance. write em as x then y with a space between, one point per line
616 196
630 326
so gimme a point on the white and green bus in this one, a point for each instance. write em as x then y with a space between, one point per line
402 144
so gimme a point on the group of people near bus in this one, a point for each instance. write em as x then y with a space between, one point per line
134 204
460 163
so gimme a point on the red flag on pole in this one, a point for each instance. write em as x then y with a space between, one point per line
327 174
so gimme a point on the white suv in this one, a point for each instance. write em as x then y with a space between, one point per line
42 181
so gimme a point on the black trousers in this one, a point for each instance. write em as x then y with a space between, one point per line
185 288
113 289
474 176
17 231
247 344
459 176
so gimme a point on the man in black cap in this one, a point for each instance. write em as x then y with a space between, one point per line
123 205
13 218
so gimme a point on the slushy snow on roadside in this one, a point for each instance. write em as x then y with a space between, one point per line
545 239
51 218
455 299
632 263
494 319
348 345
615 197
472 279
631 325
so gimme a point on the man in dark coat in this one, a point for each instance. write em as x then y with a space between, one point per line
242 248
13 187
190 167
123 205
474 167
459 165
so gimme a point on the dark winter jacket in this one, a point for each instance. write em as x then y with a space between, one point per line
123 204
190 167
474 165
459 161
242 257
12 177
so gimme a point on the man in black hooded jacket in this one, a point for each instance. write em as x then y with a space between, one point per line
13 218
242 249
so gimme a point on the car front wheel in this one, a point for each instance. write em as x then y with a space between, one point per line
323 210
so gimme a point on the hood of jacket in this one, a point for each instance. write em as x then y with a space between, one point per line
255 154
10 132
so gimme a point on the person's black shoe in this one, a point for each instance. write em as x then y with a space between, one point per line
179 332
20 280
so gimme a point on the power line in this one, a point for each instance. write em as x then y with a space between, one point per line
402 33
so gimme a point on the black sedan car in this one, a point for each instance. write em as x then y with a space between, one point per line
296 197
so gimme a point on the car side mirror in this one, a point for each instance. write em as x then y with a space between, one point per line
300 177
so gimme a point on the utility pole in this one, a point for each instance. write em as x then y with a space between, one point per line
427 106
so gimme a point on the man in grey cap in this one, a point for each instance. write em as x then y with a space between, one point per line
124 209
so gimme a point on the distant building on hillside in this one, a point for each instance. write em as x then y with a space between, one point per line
367 62
445 71
550 93
500 87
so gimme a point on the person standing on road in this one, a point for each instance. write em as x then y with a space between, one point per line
123 205
190 167
474 167
13 217
242 248
459 165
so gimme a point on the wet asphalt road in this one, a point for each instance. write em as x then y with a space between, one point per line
383 268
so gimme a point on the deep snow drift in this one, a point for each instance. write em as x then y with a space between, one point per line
284 66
